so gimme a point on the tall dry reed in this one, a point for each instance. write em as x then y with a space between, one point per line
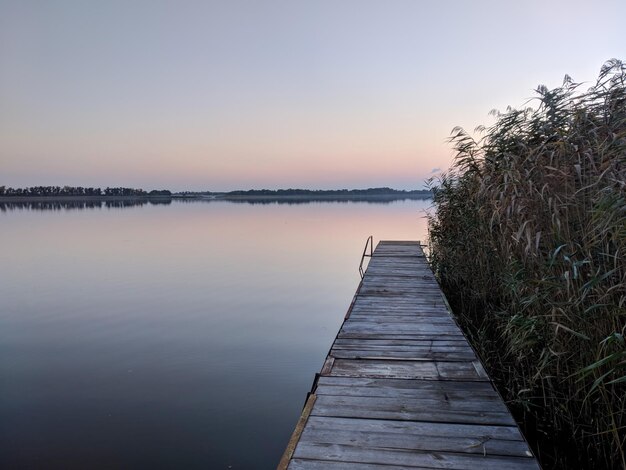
528 241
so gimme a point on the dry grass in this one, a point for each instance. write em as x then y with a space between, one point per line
528 241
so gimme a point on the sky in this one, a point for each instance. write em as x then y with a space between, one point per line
207 95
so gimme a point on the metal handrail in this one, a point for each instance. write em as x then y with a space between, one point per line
370 242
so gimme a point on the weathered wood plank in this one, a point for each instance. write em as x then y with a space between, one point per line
416 428
427 347
403 355
434 370
411 386
382 440
422 336
405 403
415 311
411 458
407 307
400 393
297 433
383 301
440 343
403 302
382 275
404 277
387 319
401 327
307 464
433 415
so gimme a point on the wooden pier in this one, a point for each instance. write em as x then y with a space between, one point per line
401 387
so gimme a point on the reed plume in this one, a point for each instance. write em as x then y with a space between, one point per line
528 241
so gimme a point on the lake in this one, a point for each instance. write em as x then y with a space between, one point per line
182 335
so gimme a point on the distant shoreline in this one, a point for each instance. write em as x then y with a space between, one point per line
5 199
217 197
326 197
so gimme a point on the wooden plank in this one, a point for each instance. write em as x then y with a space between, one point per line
406 326
400 393
403 404
400 329
382 440
383 301
411 458
395 317
400 272
441 343
403 355
406 275
411 386
427 347
387 319
422 336
433 370
367 287
416 428
415 310
419 300
412 282
308 464
408 307
295 436
401 303
400 344
433 415
328 365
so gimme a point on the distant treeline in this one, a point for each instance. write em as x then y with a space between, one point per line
309 193
61 191
79 191
332 192
291 201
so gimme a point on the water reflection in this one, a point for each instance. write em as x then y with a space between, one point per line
57 205
172 336
68 204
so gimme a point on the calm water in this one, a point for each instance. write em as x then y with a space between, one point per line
172 336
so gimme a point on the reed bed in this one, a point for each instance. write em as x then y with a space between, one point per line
528 242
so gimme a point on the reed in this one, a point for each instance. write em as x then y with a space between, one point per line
528 241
